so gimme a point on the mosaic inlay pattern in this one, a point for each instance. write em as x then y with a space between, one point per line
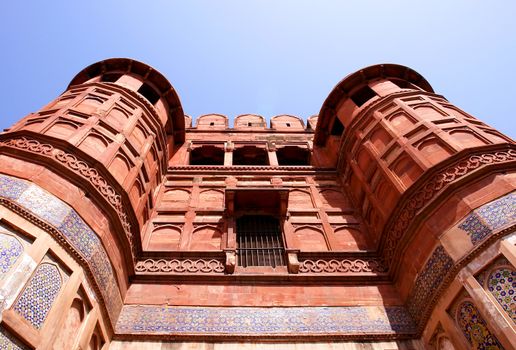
44 205
80 236
428 281
37 298
10 251
502 284
490 217
12 188
9 342
137 319
475 328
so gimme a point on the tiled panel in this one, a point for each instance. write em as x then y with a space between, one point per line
490 217
474 327
37 298
80 236
9 342
10 251
11 187
499 278
502 285
428 281
44 205
136 319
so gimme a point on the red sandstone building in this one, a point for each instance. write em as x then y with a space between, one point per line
385 222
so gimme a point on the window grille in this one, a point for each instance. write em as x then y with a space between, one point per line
259 241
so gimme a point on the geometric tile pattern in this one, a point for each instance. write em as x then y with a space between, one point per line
11 187
10 251
428 281
9 342
43 204
502 285
38 296
474 327
248 321
490 217
51 209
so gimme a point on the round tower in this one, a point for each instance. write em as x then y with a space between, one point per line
434 186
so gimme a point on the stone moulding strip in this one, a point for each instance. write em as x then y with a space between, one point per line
258 169
428 188
83 169
58 236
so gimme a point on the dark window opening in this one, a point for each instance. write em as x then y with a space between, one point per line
149 93
250 155
292 155
207 155
110 77
403 84
363 95
337 129
249 124
212 123
288 125
259 241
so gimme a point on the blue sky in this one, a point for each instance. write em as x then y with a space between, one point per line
265 57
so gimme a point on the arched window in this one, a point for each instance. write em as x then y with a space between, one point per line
250 155
292 155
207 155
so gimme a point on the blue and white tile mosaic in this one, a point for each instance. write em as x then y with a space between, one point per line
11 187
428 281
80 236
248 321
37 298
10 250
44 205
9 342
483 221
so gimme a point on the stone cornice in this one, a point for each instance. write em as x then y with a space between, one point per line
251 170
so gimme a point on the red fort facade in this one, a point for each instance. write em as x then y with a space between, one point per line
384 222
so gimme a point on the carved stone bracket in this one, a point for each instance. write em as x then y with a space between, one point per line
230 263
292 261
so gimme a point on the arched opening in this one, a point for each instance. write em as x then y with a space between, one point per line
207 155
250 155
292 155
259 241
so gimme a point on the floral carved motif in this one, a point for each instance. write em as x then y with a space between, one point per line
81 168
180 266
341 266
404 217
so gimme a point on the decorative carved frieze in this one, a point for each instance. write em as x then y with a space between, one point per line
182 266
341 266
